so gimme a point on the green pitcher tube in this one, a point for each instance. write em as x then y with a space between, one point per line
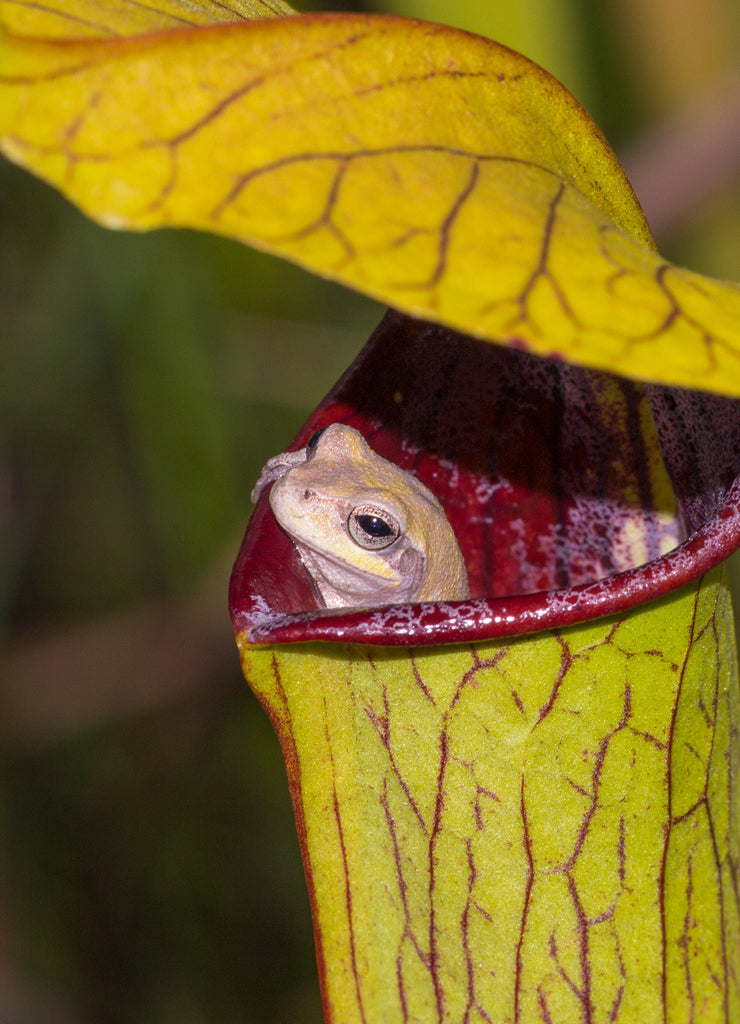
522 807
536 829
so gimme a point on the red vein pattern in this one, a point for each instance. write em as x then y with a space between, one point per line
535 830
442 174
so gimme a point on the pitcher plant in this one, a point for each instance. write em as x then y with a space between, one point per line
521 806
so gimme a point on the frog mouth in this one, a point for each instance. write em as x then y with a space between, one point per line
573 494
351 578
381 571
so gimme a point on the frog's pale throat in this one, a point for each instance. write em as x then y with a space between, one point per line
367 532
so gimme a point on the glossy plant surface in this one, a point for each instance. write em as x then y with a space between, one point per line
529 828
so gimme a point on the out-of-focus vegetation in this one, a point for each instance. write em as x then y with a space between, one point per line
150 871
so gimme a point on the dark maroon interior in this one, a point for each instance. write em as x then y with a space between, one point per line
531 459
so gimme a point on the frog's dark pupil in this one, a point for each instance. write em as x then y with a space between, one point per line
374 526
314 439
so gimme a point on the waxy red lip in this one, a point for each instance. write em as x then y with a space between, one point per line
531 459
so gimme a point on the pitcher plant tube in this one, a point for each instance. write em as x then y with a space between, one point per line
523 806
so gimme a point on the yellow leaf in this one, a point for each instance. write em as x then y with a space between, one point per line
76 19
430 168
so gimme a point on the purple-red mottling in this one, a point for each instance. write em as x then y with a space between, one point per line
521 451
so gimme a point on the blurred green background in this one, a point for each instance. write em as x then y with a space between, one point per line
150 871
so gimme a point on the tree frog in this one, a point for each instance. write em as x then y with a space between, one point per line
367 532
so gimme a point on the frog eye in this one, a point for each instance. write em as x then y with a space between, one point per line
372 527
313 441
